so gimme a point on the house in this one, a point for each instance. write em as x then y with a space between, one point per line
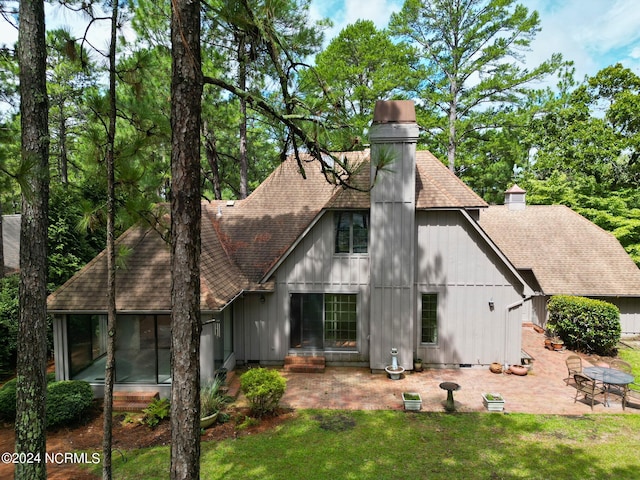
559 252
303 267
11 242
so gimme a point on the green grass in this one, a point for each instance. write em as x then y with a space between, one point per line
321 444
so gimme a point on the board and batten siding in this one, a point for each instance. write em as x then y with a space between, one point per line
312 267
454 261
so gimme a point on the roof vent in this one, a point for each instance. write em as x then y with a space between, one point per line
515 198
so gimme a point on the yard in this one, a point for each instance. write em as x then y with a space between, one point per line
321 444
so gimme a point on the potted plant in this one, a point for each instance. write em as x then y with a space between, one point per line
494 402
211 402
417 365
412 400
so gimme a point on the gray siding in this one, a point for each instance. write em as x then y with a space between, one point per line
455 262
392 246
312 267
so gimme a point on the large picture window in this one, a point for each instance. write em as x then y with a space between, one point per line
429 318
351 232
324 321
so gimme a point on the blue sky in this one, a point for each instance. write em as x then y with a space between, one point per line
592 33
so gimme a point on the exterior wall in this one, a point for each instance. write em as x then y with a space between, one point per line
311 268
455 262
392 245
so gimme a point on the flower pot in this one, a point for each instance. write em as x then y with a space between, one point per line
412 401
206 422
417 366
494 402
518 370
496 367
557 344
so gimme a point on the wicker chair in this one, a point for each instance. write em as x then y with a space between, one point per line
621 390
588 388
621 365
574 365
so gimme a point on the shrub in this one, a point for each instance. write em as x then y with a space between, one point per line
586 325
67 401
263 389
157 411
8 398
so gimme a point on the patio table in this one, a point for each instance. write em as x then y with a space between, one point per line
609 376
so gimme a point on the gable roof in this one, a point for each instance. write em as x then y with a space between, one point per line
245 239
567 253
11 241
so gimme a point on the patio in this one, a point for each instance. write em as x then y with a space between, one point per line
542 391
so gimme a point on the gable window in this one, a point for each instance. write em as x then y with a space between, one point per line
429 318
351 232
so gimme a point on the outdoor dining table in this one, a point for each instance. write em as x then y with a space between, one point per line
608 376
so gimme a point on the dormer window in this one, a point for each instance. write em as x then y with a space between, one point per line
351 232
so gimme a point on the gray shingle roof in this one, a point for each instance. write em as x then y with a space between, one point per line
567 253
243 240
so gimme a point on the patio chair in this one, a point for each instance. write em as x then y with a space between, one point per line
621 365
574 365
587 387
621 390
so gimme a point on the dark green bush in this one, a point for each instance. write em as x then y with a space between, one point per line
585 325
8 400
263 389
8 323
67 400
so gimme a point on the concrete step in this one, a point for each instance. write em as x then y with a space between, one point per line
304 364
132 401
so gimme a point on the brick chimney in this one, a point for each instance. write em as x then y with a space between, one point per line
393 137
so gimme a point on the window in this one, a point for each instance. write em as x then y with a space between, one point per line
340 321
323 321
351 232
429 318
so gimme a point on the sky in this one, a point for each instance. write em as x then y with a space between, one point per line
592 33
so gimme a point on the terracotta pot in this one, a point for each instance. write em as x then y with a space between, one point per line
495 367
518 370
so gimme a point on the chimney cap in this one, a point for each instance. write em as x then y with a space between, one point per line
394 111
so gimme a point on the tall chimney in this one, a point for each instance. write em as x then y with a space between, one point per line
393 137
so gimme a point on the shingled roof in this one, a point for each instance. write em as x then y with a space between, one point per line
243 240
567 253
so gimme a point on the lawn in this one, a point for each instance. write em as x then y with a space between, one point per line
323 444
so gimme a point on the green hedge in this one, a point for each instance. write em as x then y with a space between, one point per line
584 324
264 389
66 400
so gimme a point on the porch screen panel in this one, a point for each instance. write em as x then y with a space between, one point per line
86 340
340 325
429 318
136 349
306 320
163 329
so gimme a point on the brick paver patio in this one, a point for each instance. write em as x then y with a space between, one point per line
543 390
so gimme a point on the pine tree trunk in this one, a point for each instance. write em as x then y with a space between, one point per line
109 375
1 245
242 84
186 92
32 334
